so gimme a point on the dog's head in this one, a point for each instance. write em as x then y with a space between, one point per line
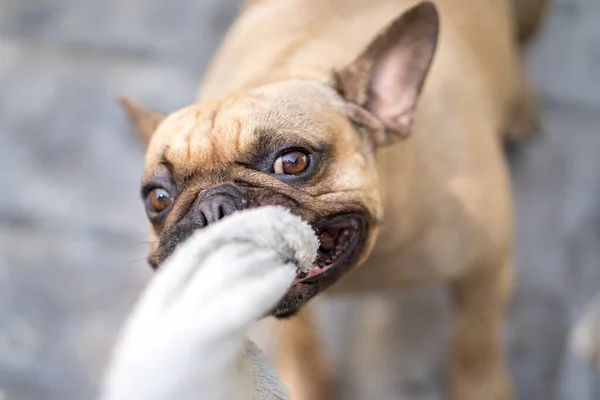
305 145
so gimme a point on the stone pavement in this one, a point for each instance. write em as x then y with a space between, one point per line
72 229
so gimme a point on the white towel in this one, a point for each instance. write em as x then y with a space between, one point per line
186 338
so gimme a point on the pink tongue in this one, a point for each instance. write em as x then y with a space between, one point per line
327 241
314 271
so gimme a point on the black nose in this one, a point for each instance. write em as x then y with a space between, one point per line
210 206
220 201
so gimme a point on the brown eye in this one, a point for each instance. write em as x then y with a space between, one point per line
159 200
292 163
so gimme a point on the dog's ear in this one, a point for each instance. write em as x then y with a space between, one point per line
387 77
144 120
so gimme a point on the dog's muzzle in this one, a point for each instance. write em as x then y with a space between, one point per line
218 202
211 205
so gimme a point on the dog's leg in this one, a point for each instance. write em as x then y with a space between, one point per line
300 360
478 368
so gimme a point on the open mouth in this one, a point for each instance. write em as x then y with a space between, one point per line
341 241
338 242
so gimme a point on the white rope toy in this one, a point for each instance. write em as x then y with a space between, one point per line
186 338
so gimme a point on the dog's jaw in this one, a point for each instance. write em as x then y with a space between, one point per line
342 241
337 255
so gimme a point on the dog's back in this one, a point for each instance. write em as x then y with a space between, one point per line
275 40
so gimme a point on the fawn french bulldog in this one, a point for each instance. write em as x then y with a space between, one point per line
378 122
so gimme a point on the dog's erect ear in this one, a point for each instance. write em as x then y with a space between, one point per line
144 120
387 77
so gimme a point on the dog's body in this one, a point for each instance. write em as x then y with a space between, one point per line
185 339
434 208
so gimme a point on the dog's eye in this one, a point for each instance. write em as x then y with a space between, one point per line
292 163
159 200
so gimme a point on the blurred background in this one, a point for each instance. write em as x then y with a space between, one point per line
73 230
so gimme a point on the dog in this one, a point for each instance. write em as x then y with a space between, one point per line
185 338
381 124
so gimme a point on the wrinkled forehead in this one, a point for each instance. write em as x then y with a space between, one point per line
217 133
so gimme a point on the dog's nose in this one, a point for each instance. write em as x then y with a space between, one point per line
219 202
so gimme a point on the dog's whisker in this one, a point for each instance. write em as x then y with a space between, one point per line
134 261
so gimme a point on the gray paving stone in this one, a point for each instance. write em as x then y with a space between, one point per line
72 228
566 59
182 31
65 141
62 298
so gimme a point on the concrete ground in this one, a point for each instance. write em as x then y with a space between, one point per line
72 228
